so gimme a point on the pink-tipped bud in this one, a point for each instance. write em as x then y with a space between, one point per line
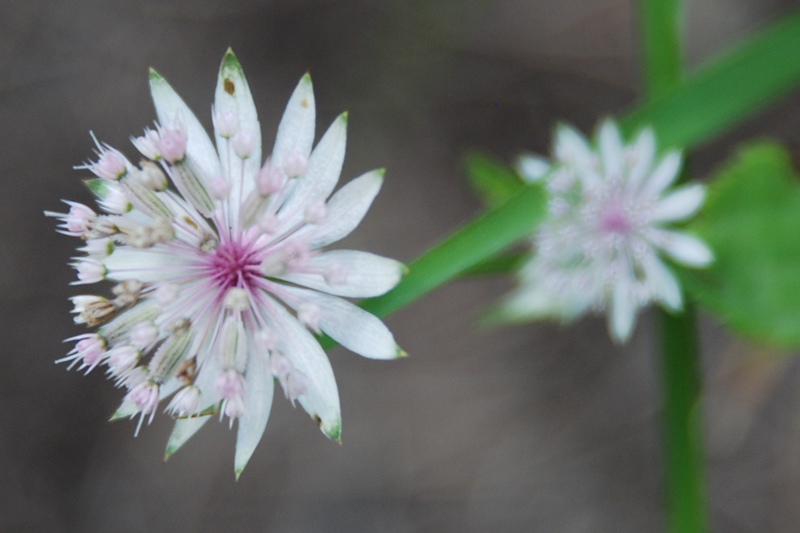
226 123
144 396
267 339
172 144
166 293
152 177
90 351
295 256
268 223
316 212
115 200
280 366
335 274
310 314
147 144
230 386
143 335
244 143
79 219
185 402
89 271
122 360
296 385
220 188
270 179
111 165
295 164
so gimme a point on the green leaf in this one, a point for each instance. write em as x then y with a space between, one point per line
726 90
493 182
661 44
752 222
501 264
475 242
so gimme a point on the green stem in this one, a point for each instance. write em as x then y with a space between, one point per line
683 451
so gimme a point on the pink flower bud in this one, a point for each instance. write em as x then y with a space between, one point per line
226 123
172 144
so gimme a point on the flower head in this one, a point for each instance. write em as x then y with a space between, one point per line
215 279
600 247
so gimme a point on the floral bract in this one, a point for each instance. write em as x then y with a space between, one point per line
600 247
220 282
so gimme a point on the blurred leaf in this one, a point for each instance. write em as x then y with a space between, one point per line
493 182
501 264
661 42
475 242
752 222
726 90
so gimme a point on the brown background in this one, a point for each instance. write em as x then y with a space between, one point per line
537 428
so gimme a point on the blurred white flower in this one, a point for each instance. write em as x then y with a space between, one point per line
600 246
207 273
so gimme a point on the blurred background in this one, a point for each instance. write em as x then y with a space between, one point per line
538 428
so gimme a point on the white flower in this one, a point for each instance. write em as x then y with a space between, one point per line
599 248
207 273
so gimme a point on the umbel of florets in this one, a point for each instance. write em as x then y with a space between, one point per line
607 231
216 260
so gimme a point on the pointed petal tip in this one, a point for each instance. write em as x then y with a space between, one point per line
306 78
238 472
343 117
335 432
229 60
381 172
155 76
401 353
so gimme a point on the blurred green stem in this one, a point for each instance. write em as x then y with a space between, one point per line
682 435
682 443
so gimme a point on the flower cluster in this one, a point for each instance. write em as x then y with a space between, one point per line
600 245
219 282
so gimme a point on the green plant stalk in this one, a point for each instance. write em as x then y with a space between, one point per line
724 91
680 372
684 470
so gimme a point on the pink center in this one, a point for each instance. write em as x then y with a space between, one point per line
234 264
614 220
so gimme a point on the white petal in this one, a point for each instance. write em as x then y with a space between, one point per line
321 175
144 265
643 150
662 282
200 153
363 275
530 302
209 370
352 327
610 145
532 168
572 150
184 429
622 314
296 130
240 101
683 248
664 175
345 210
680 204
258 402
321 400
